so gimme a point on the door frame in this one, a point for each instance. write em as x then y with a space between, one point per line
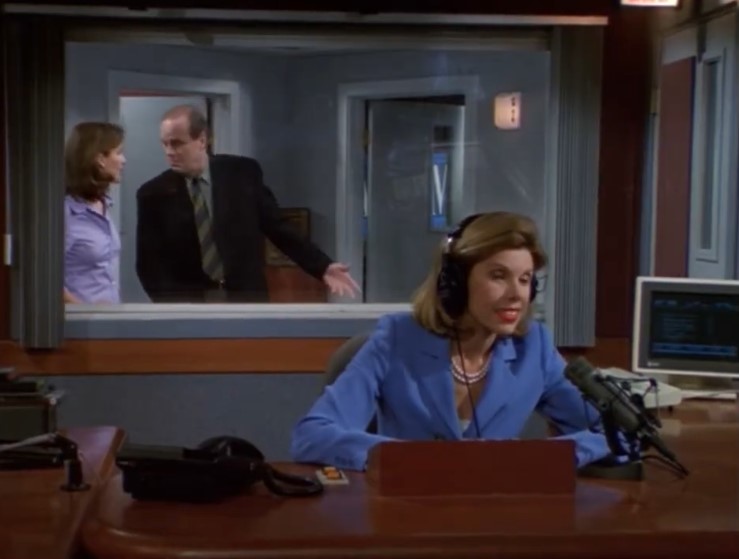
709 262
226 103
718 44
350 156
226 96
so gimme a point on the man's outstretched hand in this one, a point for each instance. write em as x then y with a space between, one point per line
339 281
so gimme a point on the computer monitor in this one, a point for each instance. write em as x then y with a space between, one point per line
686 326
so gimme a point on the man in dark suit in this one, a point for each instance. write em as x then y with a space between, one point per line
201 224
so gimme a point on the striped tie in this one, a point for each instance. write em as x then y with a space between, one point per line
209 252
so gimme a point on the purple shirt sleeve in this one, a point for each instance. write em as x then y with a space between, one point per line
91 253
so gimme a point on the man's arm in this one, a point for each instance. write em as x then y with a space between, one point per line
303 252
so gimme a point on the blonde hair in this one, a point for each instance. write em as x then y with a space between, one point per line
483 237
82 176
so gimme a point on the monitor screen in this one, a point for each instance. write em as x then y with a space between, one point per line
686 326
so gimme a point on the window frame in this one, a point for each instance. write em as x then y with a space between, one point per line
82 321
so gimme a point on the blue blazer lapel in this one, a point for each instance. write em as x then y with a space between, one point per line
499 384
435 385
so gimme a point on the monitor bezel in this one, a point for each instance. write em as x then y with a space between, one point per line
645 286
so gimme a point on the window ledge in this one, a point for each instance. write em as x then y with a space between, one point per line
225 321
218 321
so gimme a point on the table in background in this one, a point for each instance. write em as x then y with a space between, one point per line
663 516
40 521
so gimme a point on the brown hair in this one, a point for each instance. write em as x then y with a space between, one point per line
486 235
82 175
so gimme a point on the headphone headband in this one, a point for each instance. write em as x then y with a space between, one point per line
451 284
452 237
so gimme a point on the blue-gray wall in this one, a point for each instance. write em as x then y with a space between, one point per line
186 409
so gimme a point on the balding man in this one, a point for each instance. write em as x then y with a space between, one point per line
202 223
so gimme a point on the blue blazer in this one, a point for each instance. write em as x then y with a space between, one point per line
402 374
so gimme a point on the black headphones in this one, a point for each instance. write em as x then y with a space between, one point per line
451 285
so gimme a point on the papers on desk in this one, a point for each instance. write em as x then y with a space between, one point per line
328 475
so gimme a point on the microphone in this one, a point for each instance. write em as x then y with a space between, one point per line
612 401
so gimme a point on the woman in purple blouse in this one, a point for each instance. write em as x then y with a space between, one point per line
93 160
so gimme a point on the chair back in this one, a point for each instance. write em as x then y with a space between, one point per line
339 361
343 356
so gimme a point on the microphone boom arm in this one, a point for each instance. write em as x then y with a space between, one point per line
624 417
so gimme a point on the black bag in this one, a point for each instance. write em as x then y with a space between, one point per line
218 468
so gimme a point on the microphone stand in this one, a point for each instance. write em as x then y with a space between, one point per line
75 480
615 466
632 468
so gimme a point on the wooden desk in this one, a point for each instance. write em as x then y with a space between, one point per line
661 517
40 521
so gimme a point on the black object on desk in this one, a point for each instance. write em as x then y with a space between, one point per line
31 458
27 407
220 467
47 450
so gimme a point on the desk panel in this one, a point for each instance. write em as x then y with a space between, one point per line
40 521
662 516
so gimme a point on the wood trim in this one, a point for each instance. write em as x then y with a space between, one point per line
624 113
672 215
607 352
4 270
497 7
260 355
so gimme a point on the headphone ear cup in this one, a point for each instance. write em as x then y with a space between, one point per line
534 288
451 287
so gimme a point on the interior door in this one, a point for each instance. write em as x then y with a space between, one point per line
414 184
140 116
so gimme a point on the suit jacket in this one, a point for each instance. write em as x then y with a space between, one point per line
403 374
244 211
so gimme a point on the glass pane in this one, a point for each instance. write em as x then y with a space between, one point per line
420 146
414 144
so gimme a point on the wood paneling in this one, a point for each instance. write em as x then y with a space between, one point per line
524 7
607 352
293 285
40 520
268 355
624 112
4 270
673 169
174 356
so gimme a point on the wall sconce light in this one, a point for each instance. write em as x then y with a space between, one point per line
507 111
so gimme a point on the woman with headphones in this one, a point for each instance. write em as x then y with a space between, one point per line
468 362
